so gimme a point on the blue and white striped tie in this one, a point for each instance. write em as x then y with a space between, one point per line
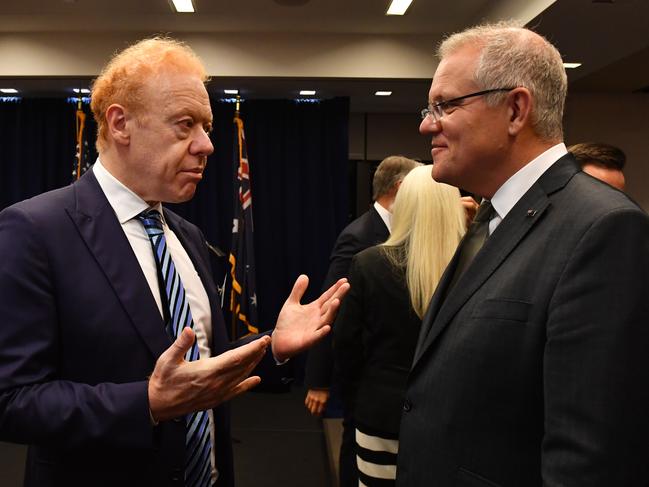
197 440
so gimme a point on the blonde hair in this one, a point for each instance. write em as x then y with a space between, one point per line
428 222
513 56
123 79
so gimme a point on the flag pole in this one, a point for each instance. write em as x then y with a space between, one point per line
233 312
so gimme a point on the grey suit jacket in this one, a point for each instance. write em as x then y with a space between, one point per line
534 370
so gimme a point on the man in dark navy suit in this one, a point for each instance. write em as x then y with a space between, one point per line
90 376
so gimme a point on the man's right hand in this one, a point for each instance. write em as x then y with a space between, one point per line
316 401
178 387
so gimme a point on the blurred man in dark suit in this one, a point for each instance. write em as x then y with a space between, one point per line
602 161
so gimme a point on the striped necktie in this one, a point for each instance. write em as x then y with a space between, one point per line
197 440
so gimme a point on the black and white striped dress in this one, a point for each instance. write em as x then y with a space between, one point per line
376 458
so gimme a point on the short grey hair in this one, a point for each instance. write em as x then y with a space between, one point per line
513 56
391 171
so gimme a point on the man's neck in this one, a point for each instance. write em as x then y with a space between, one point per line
385 201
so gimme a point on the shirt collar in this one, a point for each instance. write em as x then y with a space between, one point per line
517 185
125 203
385 215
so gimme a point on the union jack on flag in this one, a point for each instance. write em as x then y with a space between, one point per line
243 295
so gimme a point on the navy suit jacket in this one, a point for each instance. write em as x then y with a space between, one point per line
367 230
80 333
534 369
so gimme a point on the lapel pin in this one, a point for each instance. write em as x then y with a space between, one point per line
531 213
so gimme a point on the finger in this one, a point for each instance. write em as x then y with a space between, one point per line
331 292
243 386
176 352
299 288
241 359
339 294
316 335
329 313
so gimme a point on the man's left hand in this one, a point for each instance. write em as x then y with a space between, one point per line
299 326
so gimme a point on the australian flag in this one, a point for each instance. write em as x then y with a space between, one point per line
82 156
243 297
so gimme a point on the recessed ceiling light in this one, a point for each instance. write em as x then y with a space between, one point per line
398 7
231 92
307 92
383 93
8 90
82 90
571 65
183 6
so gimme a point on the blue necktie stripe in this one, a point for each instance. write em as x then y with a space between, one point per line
197 436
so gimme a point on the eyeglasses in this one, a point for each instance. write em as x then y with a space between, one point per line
438 110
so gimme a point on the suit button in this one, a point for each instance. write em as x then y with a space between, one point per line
407 405
177 420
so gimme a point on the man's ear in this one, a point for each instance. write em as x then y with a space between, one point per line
519 102
118 129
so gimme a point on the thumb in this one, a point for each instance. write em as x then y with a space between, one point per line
176 352
301 283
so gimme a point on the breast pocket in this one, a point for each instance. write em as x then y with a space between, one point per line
503 310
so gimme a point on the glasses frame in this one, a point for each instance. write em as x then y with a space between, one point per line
436 111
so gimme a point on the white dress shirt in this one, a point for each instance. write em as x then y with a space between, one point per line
517 185
385 215
127 206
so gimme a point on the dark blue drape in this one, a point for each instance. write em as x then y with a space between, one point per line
298 156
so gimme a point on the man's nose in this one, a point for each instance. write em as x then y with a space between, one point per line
202 144
428 126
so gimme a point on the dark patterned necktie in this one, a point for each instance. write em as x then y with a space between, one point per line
473 240
197 440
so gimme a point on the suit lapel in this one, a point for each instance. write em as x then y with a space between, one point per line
105 239
517 224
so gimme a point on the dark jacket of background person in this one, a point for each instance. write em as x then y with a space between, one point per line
375 337
367 230
376 332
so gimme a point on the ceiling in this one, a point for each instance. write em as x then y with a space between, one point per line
609 38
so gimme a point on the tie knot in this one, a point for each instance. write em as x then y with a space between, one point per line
485 212
151 219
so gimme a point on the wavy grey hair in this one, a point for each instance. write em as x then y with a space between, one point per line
513 56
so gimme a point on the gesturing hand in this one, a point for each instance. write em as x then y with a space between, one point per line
301 325
178 387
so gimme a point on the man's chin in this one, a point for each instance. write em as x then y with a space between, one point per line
184 195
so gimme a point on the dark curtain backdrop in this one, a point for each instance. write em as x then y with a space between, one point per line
37 147
298 155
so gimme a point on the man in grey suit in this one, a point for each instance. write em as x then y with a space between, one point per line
532 365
